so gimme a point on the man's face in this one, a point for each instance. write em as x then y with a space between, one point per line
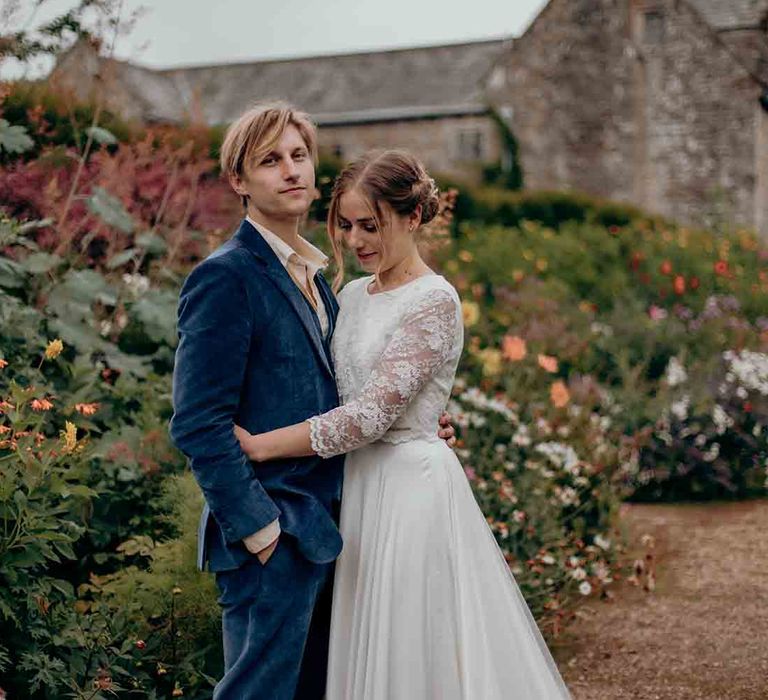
282 186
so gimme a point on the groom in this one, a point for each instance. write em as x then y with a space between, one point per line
255 321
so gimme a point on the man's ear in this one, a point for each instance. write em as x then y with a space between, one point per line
236 182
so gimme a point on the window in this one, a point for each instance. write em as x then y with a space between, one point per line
338 150
653 27
470 144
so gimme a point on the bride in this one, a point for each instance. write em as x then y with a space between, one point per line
424 605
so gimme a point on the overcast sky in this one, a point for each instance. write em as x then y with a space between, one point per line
183 32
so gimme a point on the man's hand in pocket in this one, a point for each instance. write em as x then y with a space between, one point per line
267 552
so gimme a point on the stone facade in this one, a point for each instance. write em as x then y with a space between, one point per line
453 146
638 100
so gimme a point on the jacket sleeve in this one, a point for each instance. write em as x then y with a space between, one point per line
215 326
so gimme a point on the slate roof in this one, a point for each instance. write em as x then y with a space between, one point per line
346 88
732 14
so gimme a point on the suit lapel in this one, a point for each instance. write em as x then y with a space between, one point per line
255 243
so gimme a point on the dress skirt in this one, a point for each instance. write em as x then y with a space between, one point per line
424 604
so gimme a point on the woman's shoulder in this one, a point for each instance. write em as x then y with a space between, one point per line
436 287
432 292
353 287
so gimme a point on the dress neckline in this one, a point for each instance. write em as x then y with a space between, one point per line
370 278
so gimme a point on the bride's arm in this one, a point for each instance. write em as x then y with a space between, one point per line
417 349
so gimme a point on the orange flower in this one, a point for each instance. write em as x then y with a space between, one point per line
559 394
665 268
4 429
679 285
41 405
548 363
3 364
513 348
87 409
694 282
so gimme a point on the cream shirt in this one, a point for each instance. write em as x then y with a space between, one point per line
302 265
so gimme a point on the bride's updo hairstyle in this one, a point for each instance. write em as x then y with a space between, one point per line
396 177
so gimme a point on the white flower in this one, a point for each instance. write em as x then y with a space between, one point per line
721 419
602 542
561 455
478 399
518 516
547 559
574 561
522 436
585 588
679 408
602 572
712 453
676 373
751 369
568 496
579 574
601 329
137 284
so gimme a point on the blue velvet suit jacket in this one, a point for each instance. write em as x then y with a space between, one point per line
251 352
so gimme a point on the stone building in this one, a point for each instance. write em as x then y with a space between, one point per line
656 102
431 100
661 103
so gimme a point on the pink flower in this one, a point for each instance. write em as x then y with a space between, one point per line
471 473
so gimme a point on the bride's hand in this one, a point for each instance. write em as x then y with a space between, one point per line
249 443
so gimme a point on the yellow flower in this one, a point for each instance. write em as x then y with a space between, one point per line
541 264
559 394
548 363
466 256
69 437
471 313
513 348
491 360
54 349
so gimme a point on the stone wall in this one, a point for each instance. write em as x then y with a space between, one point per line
636 100
437 142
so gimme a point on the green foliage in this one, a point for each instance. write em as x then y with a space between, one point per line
505 207
55 118
14 139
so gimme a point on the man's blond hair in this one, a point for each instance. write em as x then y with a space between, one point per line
255 133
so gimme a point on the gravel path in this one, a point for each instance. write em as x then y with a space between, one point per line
702 634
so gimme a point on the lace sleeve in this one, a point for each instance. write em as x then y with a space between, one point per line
417 349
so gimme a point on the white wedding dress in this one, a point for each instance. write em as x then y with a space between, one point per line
424 605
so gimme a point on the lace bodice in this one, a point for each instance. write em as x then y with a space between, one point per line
395 355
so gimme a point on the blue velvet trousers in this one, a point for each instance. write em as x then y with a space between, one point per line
276 620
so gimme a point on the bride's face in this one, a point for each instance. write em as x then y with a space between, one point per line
375 251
